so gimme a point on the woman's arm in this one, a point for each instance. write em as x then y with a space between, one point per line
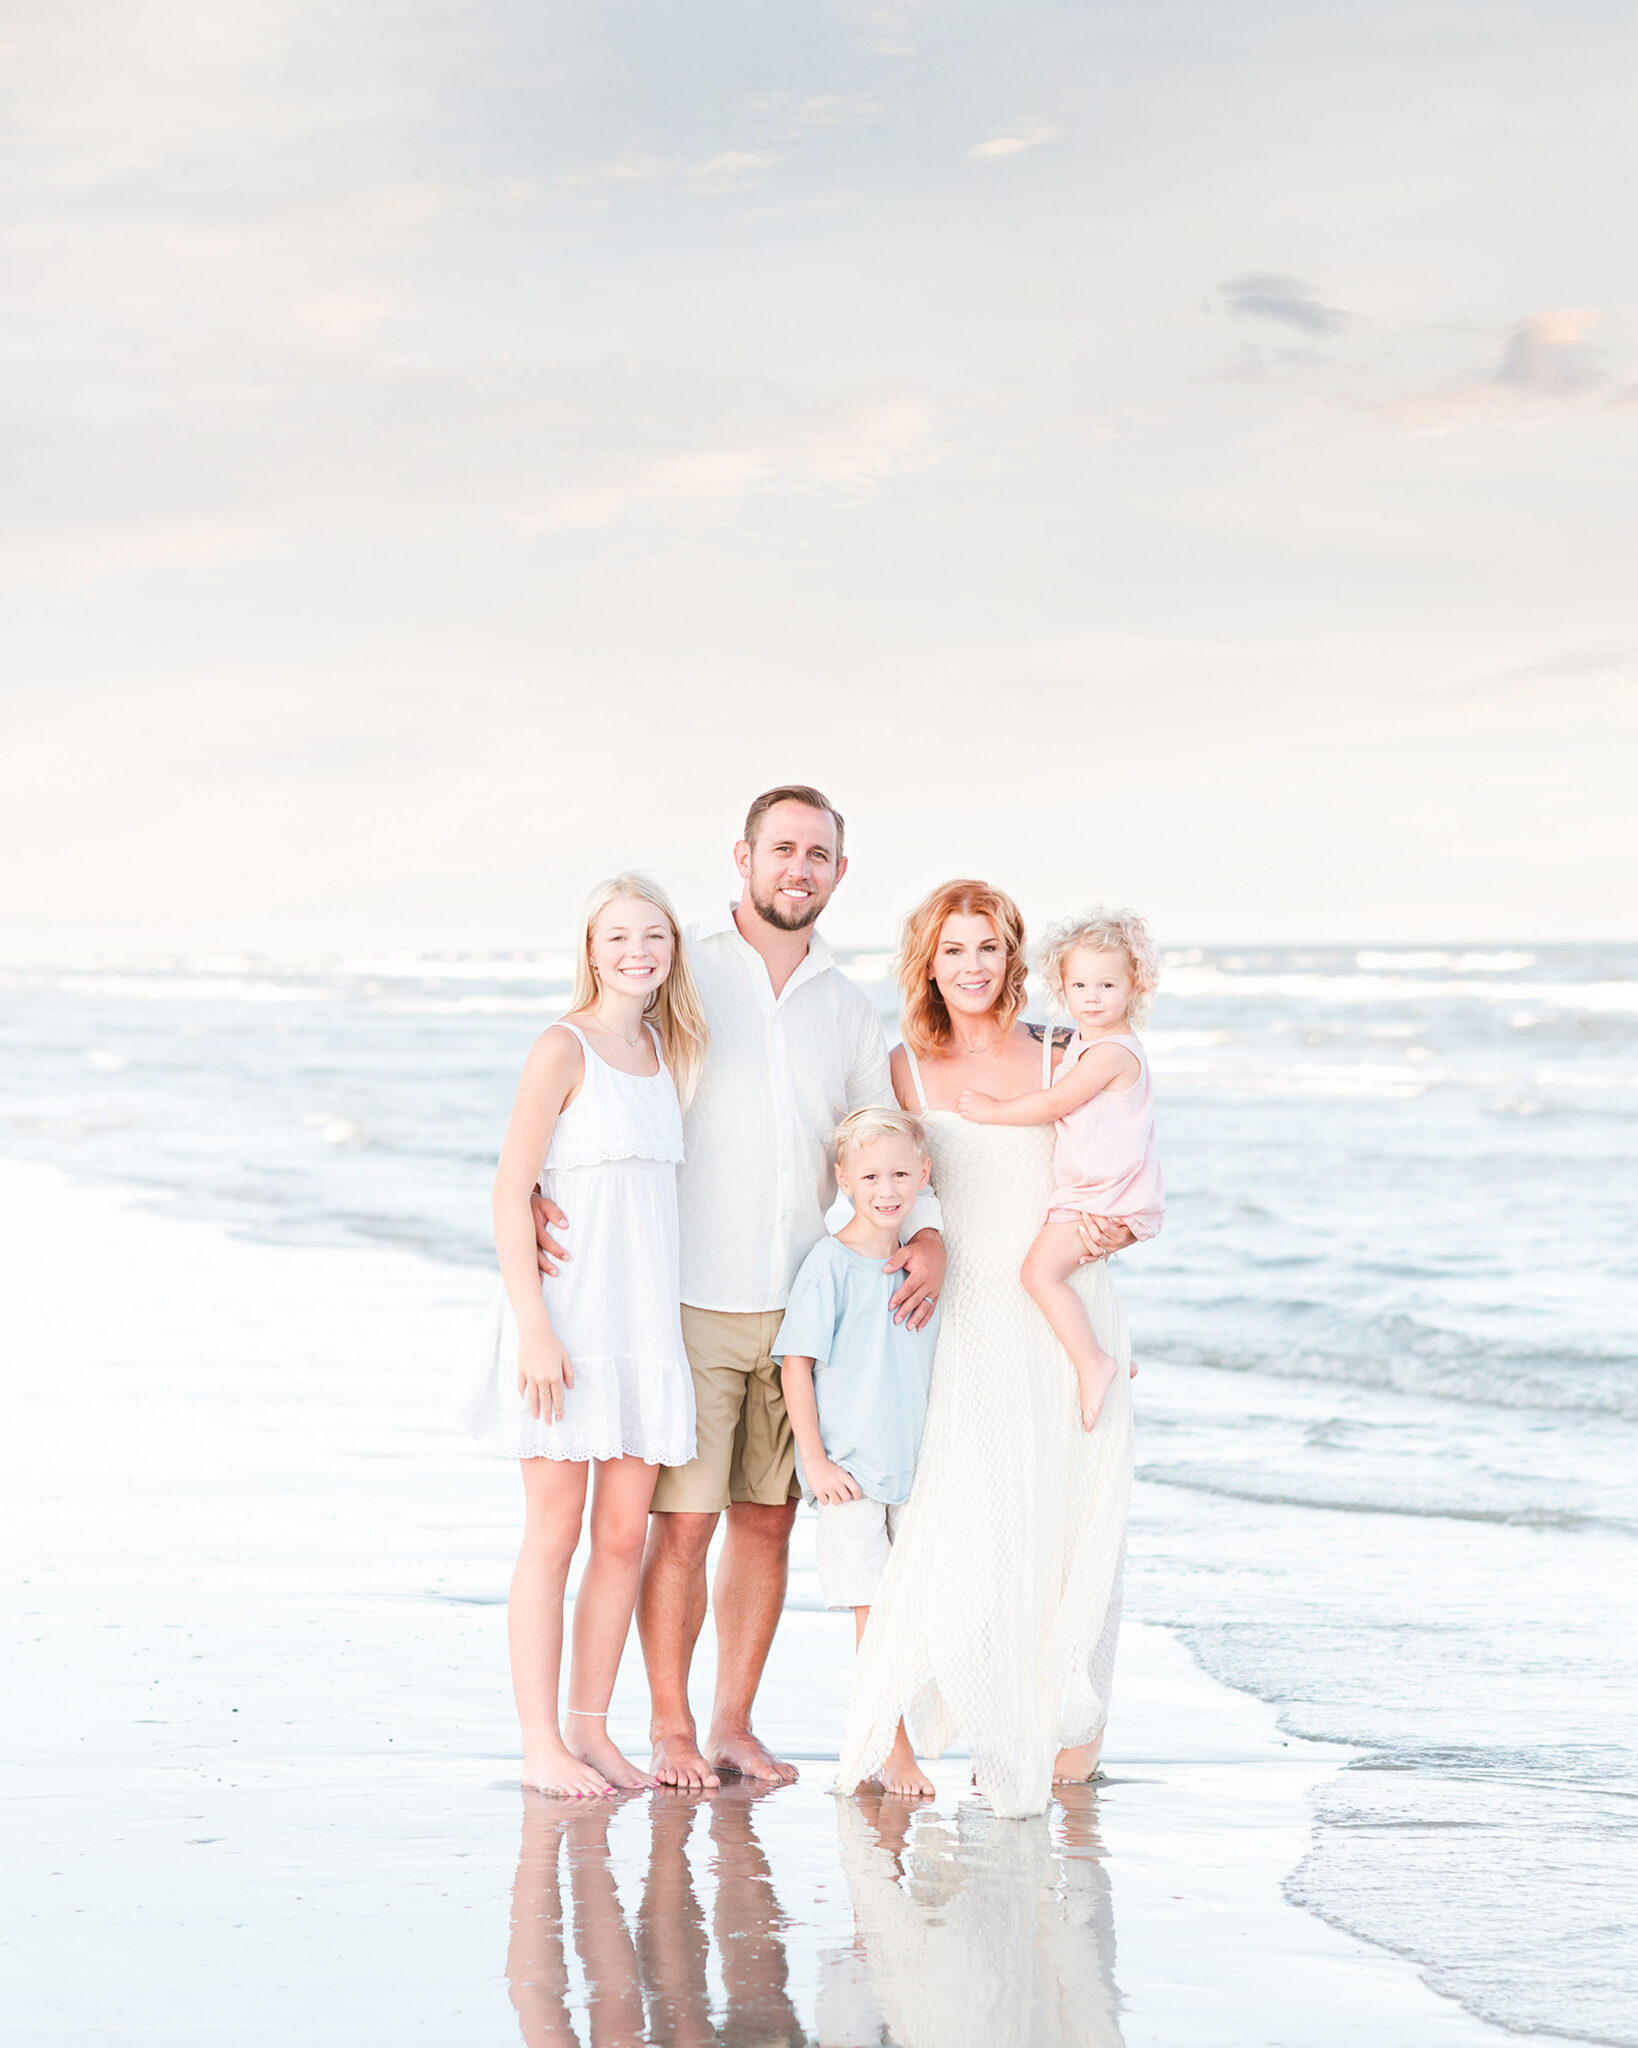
551 1074
1091 1073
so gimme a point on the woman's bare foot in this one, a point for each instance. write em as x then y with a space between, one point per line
1077 1766
743 1753
588 1739
1096 1378
553 1768
678 1766
902 1776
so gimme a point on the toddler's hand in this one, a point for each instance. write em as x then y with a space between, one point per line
831 1485
975 1106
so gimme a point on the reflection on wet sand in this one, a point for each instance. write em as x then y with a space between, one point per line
997 1934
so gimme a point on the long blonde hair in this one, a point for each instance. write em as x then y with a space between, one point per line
926 1019
674 1008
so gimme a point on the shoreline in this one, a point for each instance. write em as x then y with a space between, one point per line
263 1765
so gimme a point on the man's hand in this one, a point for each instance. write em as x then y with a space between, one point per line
1103 1236
921 1261
548 1217
831 1484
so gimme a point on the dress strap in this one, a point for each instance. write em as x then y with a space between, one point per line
915 1075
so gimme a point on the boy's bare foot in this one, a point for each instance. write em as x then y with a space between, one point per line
588 1739
555 1769
1095 1381
902 1776
678 1765
742 1752
1077 1766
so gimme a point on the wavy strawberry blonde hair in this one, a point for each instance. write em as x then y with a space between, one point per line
1105 931
674 1008
926 1018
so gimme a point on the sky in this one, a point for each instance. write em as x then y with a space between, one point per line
1141 451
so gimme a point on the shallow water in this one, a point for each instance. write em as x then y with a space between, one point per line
1386 1456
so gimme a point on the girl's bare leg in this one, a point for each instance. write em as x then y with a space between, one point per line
901 1776
602 1614
554 1494
1050 1260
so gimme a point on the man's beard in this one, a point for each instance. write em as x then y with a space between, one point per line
768 909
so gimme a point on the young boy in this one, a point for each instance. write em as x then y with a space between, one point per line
856 1382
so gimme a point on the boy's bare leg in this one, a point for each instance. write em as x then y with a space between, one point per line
1055 1254
901 1776
670 1615
746 1600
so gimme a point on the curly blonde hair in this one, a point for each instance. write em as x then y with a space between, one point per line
674 1008
1104 931
926 1019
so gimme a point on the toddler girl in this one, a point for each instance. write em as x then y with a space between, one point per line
588 1367
1105 1163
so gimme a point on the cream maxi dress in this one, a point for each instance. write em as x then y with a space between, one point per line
996 1619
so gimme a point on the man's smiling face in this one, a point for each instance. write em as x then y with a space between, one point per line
792 868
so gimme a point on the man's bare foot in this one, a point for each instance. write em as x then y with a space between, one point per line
678 1766
1077 1766
1096 1378
902 1776
588 1739
555 1769
743 1753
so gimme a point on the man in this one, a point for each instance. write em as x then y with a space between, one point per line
794 1047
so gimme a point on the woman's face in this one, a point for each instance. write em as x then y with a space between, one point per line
631 946
969 965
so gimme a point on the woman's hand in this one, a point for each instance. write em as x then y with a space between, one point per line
975 1105
831 1485
544 1371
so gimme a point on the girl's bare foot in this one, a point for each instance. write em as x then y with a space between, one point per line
589 1740
1077 1766
1095 1380
902 1776
555 1769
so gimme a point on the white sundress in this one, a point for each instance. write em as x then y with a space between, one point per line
612 1169
997 1616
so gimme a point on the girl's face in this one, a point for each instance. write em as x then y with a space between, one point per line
969 964
631 947
1098 989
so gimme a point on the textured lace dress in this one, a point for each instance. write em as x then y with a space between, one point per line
612 1168
996 1619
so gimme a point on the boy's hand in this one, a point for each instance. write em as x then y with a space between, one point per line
831 1485
975 1105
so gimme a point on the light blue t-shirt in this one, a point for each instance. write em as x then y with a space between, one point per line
870 1374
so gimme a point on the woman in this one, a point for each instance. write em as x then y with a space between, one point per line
997 1616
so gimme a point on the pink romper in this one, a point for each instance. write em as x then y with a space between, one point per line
1106 1161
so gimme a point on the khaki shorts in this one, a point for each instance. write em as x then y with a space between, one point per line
744 1450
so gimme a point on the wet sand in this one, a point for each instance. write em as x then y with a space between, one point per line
259 1769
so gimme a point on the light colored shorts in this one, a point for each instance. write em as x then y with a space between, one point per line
851 1549
744 1450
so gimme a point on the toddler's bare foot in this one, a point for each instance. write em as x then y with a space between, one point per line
553 1768
741 1752
1095 1379
902 1776
1131 1371
589 1740
1076 1766
678 1765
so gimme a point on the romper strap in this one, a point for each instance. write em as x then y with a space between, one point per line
1046 1055
915 1075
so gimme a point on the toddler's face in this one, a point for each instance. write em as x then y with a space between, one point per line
1097 989
883 1178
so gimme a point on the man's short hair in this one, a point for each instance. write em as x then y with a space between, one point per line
791 793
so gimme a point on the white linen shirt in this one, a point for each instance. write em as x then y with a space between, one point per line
782 1071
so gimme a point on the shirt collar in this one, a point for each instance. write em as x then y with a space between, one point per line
722 925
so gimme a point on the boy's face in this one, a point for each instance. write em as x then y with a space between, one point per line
883 1178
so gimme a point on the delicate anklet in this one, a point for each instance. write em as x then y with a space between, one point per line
590 1713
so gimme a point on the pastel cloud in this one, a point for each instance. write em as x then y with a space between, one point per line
1288 301
1014 144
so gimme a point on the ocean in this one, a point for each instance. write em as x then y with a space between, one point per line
1386 1409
